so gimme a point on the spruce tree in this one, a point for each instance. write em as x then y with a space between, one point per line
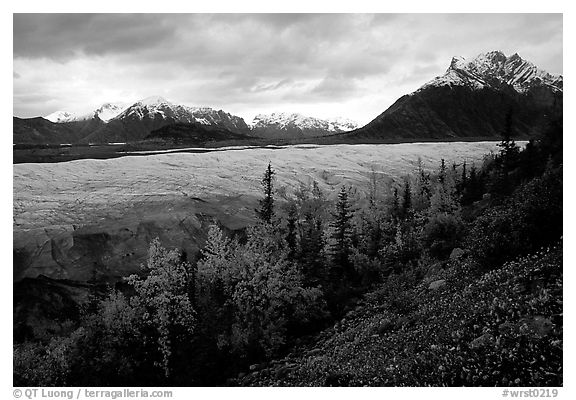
422 189
342 233
407 198
473 189
395 204
508 149
442 172
501 185
266 211
311 257
462 185
291 237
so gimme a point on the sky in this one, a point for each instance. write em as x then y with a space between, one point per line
323 65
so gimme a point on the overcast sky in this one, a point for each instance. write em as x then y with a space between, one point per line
347 65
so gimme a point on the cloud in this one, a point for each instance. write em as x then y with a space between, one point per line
335 87
263 87
252 62
63 36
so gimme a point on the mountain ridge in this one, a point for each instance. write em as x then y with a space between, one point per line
117 122
471 99
295 125
495 68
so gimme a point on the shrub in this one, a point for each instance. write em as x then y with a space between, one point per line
263 295
164 298
441 234
531 218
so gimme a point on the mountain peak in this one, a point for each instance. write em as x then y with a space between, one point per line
496 55
60 116
456 62
154 101
107 111
495 68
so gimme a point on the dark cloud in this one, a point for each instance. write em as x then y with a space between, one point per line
280 21
259 60
62 36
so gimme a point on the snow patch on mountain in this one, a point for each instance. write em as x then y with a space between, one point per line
343 124
154 101
493 69
60 117
105 112
157 107
286 121
109 110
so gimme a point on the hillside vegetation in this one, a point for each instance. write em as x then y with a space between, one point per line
446 278
452 327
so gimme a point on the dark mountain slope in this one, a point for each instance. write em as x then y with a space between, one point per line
472 99
195 133
457 112
41 131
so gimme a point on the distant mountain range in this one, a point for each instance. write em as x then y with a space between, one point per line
118 122
294 125
138 120
472 99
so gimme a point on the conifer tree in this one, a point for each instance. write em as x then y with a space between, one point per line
291 237
463 183
342 232
266 211
422 189
406 198
508 148
442 172
473 189
311 255
395 204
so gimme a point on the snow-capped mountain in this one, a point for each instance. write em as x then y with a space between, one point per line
157 107
493 69
343 124
108 111
294 125
139 119
472 100
60 117
120 122
105 113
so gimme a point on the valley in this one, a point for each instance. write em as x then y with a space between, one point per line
95 218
